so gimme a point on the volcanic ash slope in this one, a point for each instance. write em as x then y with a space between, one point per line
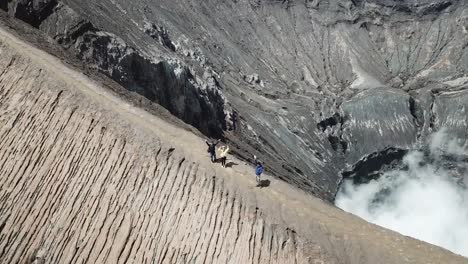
87 178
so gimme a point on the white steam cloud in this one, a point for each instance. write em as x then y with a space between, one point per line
427 200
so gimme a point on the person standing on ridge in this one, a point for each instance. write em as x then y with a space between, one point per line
212 149
259 167
223 151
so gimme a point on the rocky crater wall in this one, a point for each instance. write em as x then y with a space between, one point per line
376 69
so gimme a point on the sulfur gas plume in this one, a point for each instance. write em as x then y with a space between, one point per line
426 198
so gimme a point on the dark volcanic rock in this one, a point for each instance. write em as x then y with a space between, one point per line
372 166
317 85
33 11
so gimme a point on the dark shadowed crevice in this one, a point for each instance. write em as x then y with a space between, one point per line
161 34
4 5
34 12
159 83
433 116
435 7
337 143
3 221
292 169
372 166
410 7
78 30
416 112
335 135
330 122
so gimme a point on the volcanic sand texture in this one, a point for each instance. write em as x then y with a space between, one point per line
86 177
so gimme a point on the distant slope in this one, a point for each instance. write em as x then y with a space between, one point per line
87 178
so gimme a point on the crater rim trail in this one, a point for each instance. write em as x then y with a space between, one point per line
331 231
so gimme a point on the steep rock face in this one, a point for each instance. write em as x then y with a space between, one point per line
164 81
380 117
87 178
287 68
449 111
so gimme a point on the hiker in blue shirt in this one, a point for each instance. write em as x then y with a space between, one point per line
259 167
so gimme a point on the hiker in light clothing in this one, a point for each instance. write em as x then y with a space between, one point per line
223 151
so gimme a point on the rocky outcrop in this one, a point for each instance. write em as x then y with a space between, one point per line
88 178
286 67
381 117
